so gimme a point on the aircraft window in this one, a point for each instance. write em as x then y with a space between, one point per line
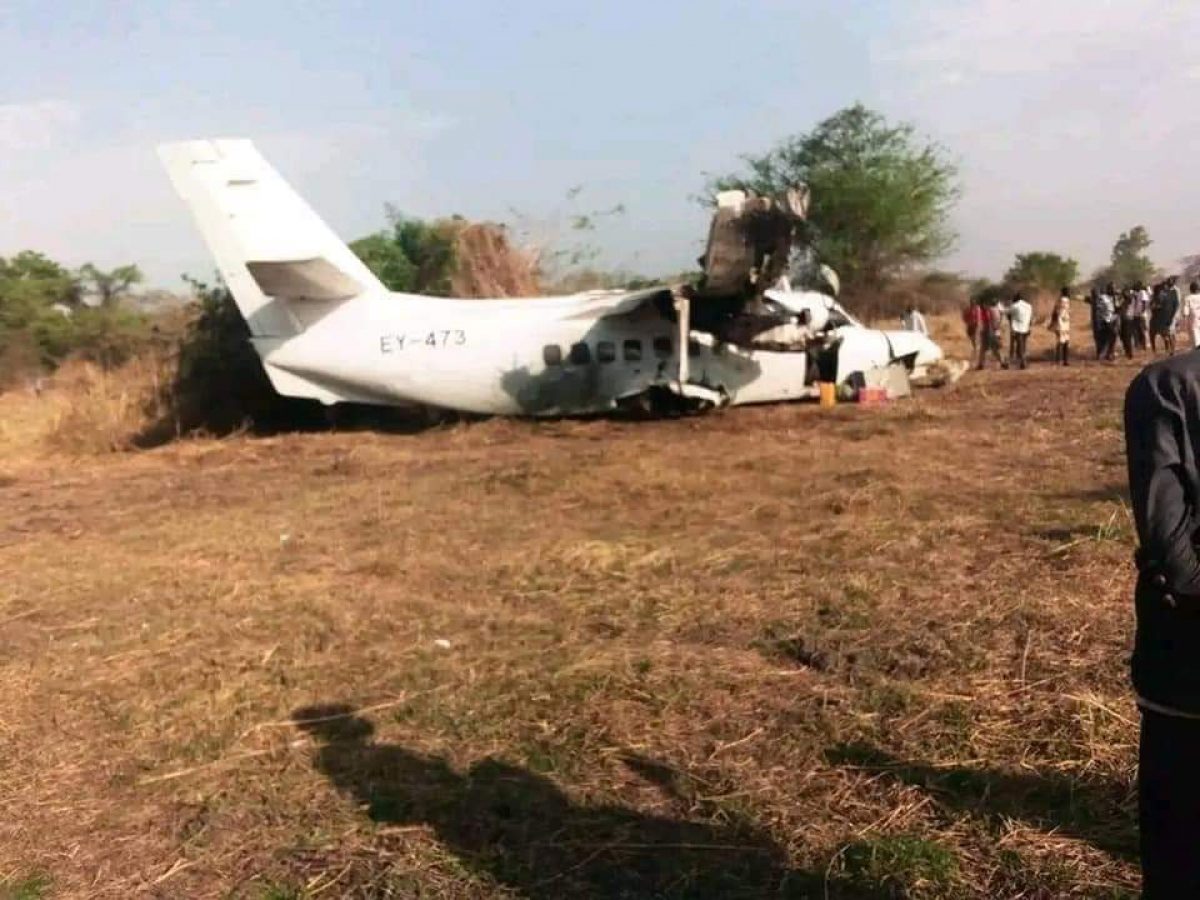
580 355
662 347
552 355
633 350
606 351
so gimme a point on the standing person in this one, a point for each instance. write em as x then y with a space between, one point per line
1141 322
1162 433
1104 308
1060 325
1169 316
1191 311
1003 325
912 320
971 322
989 335
1125 318
1020 319
1093 302
1175 295
1156 315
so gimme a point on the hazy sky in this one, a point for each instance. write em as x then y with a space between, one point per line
1072 120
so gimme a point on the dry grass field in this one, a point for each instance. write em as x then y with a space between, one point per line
773 652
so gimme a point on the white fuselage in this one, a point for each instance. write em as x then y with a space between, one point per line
327 329
540 356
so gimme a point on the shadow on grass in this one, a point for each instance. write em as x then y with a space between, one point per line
1098 811
288 416
1101 493
522 830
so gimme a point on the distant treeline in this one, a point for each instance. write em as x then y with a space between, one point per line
49 313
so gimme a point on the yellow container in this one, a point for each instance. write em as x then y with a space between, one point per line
828 394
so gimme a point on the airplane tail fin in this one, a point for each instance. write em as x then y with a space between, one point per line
284 266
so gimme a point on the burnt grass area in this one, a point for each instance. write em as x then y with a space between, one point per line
773 652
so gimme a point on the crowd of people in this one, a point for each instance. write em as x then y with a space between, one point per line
1139 317
1135 319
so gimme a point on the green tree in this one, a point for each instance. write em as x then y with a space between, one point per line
109 287
30 285
1042 271
1130 264
387 259
35 296
881 195
430 249
109 336
40 305
989 293
411 255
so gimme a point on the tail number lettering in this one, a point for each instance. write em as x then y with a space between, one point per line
445 337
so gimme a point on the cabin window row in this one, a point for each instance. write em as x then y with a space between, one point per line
606 352
580 354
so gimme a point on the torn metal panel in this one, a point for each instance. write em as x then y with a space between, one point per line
750 241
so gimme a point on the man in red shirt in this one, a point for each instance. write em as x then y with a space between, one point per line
988 318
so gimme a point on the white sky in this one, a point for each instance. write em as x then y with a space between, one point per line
1072 121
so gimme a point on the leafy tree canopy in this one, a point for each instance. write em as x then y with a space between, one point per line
1042 271
410 256
1130 263
41 308
109 287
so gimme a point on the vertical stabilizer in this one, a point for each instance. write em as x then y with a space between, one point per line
284 266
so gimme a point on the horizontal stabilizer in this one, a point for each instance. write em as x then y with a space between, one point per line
303 279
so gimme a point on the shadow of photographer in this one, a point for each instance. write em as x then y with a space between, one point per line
526 833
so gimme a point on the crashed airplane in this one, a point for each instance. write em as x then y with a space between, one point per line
327 329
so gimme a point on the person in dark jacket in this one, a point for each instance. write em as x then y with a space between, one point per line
1092 300
1126 315
1164 316
1162 439
1104 309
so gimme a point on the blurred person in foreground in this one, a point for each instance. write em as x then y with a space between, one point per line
1162 439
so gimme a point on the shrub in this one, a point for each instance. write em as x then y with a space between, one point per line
219 384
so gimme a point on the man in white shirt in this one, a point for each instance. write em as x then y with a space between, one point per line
912 320
1141 325
1191 312
1020 319
1105 310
